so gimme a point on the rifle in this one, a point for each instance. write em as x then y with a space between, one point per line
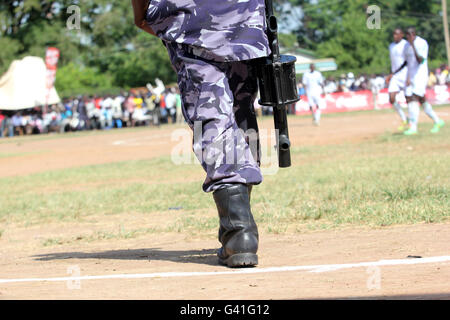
278 86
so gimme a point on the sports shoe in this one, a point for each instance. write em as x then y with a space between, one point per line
410 132
437 126
403 127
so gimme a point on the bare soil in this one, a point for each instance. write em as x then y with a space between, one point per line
22 254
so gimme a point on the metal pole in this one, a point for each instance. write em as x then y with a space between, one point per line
446 31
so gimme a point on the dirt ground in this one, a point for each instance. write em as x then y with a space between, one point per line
22 255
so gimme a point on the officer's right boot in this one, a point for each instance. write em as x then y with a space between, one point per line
238 232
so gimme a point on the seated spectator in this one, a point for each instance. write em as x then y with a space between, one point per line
442 78
162 108
138 101
4 124
301 89
82 113
330 85
350 81
432 80
130 106
107 112
364 83
117 113
342 86
17 124
447 72
171 104
2 118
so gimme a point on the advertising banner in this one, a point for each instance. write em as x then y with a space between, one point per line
366 100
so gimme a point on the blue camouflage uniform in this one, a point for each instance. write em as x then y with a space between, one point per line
211 45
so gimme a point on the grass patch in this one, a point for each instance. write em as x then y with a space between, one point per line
19 154
385 181
381 182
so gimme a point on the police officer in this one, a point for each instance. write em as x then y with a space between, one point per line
212 45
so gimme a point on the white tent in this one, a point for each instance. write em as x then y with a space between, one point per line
23 86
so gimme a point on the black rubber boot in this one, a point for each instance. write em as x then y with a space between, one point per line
238 232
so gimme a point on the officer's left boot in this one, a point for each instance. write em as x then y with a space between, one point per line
238 232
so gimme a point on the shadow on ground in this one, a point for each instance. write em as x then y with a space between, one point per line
205 256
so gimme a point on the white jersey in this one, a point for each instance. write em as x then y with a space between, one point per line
313 82
398 58
417 70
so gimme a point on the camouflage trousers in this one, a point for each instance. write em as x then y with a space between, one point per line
218 102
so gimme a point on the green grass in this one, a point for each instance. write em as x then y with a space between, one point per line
389 180
386 181
19 154
72 194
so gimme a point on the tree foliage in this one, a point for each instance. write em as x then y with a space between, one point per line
337 28
108 51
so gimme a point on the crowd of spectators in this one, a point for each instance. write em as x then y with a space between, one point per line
349 82
375 82
155 106
141 107
440 76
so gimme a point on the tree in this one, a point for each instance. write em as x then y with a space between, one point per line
73 80
337 28
109 49
353 45
147 60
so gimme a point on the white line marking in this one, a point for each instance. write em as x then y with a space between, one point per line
140 140
316 269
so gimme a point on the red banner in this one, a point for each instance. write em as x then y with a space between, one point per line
364 100
51 61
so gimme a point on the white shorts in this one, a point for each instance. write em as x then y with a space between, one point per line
417 87
316 100
397 84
